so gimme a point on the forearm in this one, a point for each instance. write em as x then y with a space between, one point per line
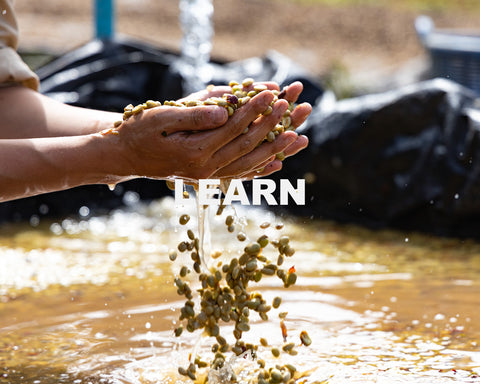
28 114
33 166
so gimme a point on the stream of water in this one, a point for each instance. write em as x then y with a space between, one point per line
92 300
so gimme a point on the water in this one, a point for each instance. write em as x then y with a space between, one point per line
92 300
197 29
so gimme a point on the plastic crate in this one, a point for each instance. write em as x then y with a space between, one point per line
454 55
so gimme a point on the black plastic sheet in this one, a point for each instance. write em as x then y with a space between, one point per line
407 158
109 74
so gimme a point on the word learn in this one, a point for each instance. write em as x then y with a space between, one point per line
209 192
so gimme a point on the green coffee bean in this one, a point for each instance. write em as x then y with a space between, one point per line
268 271
242 260
172 255
276 375
288 251
184 219
291 368
305 338
137 109
263 241
251 265
247 82
252 248
221 340
260 88
224 294
268 111
244 327
276 302
291 279
241 236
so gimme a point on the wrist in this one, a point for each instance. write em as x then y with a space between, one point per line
114 162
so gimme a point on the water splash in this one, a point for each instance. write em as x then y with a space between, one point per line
197 28
226 374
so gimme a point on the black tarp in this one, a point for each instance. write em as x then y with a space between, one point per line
406 158
109 74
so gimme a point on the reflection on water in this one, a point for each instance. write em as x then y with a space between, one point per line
92 301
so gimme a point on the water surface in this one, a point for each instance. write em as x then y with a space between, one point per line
92 300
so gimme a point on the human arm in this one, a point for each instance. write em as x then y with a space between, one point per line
29 114
30 166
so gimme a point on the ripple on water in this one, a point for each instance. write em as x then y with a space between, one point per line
77 298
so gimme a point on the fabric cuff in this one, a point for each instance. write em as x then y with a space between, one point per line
14 70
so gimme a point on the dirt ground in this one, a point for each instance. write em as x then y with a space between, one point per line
366 42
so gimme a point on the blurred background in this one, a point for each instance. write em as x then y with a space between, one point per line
351 45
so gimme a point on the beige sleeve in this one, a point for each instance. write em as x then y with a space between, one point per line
12 68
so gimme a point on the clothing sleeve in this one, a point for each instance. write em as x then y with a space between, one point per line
12 68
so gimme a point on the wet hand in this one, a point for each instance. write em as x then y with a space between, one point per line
202 142
262 161
192 143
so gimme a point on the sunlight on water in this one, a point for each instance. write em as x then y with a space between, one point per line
91 299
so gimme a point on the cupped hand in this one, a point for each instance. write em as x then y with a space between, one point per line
202 142
262 161
189 142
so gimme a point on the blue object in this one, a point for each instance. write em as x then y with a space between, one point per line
104 19
454 55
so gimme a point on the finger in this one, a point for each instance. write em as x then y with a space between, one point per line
296 146
175 119
291 92
272 164
218 138
247 142
255 169
259 155
270 168
300 114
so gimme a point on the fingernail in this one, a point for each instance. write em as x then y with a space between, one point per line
218 115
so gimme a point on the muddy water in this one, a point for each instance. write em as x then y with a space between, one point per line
91 300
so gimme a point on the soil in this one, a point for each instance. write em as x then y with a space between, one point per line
361 41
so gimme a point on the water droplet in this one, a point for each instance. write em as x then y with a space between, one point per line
84 211
406 239
456 196
112 187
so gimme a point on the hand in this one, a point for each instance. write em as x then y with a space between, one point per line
201 142
257 162
192 143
